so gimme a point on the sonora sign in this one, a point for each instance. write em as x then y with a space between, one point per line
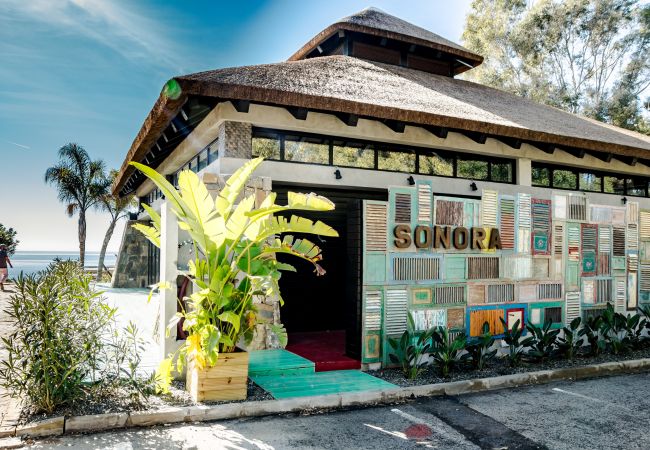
460 238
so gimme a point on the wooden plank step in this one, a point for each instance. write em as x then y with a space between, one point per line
320 383
277 362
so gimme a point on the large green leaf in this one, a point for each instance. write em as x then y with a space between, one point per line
151 233
204 226
165 186
297 202
228 195
278 225
301 248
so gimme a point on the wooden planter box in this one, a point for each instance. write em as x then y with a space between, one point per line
226 380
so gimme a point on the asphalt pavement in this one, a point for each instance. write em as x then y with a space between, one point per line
605 413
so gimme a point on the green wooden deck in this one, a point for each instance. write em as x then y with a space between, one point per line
284 375
277 362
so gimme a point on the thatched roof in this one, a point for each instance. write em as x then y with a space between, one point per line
381 91
376 22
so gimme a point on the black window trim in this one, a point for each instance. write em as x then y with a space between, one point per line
377 146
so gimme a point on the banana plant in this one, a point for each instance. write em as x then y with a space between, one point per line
235 244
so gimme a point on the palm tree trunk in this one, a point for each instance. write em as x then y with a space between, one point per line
102 253
82 238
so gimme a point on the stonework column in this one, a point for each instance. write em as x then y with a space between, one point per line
524 172
131 268
169 274
235 140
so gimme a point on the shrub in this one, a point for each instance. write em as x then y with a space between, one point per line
478 350
542 340
410 350
591 330
617 329
57 352
446 351
512 337
571 341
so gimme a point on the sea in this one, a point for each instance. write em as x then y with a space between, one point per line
31 262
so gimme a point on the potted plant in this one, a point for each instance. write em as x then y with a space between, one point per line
234 245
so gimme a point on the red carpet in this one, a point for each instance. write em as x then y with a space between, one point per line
325 348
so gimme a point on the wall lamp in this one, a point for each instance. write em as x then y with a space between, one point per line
624 200
411 180
473 186
337 174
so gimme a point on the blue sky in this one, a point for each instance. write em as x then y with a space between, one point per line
88 71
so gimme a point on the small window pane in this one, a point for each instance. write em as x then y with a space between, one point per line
590 182
353 155
396 161
433 164
307 150
474 169
203 159
636 187
614 185
193 164
266 147
541 176
501 172
565 179
213 153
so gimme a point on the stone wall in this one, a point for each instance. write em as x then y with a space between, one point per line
131 269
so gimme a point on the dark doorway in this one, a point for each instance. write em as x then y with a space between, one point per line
322 314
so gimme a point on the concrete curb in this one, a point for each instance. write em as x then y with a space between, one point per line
79 424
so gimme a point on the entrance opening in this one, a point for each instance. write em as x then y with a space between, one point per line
322 314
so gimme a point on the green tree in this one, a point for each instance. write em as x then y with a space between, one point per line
8 238
81 184
590 57
118 208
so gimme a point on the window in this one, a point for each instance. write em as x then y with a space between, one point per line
474 169
564 179
396 161
266 147
306 149
614 185
541 176
353 154
213 152
590 182
203 159
434 164
316 149
501 172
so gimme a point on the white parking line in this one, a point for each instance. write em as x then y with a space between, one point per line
586 397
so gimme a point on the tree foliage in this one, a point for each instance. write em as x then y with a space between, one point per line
590 57
8 238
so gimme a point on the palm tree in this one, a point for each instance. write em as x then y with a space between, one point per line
81 183
118 208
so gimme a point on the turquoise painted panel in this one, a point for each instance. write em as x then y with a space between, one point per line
375 268
454 268
618 262
572 275
277 362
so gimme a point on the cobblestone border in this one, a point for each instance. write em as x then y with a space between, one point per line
94 423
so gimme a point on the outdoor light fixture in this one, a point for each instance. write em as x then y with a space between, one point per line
337 174
624 200
411 180
473 186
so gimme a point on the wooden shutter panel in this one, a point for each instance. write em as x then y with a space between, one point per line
507 228
449 294
411 268
500 293
523 223
425 202
560 206
395 311
632 212
618 241
372 317
577 207
604 291
621 289
489 201
541 223
449 212
549 291
644 225
376 227
402 208
573 242
572 305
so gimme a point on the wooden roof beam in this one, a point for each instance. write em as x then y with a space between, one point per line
629 160
298 113
546 148
439 132
606 157
477 137
350 120
395 125
241 106
577 152
511 142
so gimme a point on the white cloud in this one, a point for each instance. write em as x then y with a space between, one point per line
132 33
